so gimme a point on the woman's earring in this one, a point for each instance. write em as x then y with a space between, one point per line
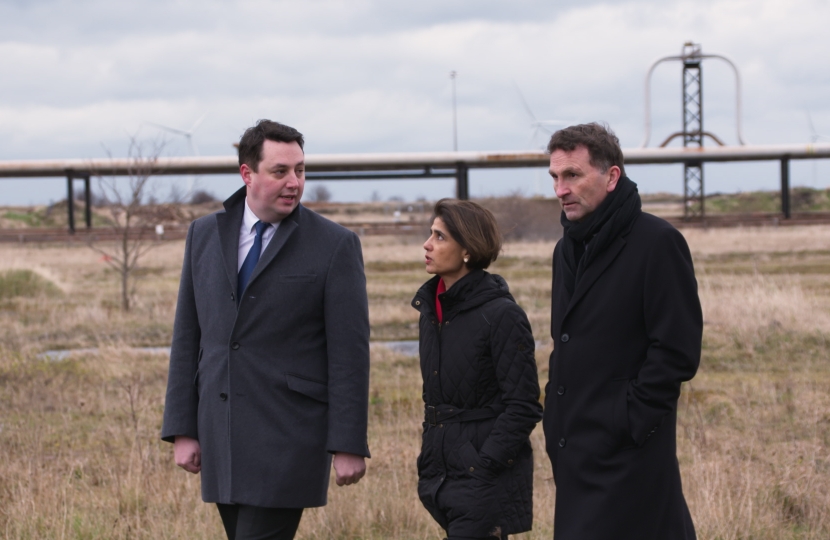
466 260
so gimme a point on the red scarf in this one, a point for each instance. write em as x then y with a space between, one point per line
441 289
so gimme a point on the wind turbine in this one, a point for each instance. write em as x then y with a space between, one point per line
814 138
188 135
538 126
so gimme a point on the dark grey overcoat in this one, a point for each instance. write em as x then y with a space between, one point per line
623 343
273 384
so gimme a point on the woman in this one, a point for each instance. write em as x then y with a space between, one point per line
481 391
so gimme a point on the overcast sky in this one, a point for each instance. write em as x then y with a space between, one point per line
373 76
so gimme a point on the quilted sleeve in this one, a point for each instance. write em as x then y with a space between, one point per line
512 348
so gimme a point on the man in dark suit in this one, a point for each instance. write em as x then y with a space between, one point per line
269 367
627 327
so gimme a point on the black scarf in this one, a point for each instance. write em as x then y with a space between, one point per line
599 229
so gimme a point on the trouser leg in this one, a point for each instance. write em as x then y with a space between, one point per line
229 514
257 523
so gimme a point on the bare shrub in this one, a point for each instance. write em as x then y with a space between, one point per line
526 219
319 193
200 196
128 215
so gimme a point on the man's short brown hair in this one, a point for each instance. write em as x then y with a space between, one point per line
603 146
472 226
250 145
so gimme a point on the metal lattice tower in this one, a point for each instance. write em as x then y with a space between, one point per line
693 132
693 193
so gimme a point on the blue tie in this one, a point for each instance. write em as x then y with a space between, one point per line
252 258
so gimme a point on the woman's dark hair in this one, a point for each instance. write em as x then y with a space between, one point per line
472 226
250 145
603 146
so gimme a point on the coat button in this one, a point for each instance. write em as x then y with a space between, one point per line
562 442
417 302
472 469
561 391
435 372
565 338
440 425
223 396
510 462
235 345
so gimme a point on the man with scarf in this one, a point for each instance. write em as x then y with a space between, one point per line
627 326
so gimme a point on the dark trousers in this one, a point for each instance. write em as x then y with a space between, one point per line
243 522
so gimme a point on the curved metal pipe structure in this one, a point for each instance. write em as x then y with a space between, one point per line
738 105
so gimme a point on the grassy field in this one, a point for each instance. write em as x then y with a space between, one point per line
79 437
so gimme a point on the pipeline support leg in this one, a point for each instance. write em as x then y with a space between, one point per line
87 203
70 203
785 187
462 181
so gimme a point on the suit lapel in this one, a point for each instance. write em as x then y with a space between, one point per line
284 232
594 271
228 224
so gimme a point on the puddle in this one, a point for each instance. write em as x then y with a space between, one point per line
60 356
407 348
410 348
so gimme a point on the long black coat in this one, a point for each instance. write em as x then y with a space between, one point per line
481 394
623 343
275 383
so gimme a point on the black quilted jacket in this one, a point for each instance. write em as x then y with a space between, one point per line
481 396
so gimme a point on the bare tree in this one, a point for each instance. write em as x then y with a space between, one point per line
129 217
320 193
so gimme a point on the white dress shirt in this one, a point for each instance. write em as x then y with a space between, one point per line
247 233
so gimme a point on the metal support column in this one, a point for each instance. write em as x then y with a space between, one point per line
87 203
785 187
693 193
693 198
462 181
70 202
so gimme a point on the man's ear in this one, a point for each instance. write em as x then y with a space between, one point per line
245 173
614 176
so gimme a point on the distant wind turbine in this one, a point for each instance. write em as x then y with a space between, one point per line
538 126
814 138
188 135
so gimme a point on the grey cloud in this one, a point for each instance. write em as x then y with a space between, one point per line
373 76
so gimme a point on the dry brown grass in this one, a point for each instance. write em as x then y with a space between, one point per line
80 437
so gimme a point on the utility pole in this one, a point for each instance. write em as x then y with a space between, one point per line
462 176
454 114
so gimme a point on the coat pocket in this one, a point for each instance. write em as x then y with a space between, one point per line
198 361
619 413
297 278
316 390
474 465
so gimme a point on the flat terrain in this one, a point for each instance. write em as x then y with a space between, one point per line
79 436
